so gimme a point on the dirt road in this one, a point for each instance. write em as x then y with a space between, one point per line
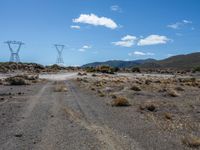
37 117
59 120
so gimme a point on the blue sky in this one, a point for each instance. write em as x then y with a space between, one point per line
99 30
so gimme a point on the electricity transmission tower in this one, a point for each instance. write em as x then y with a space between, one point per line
59 49
14 57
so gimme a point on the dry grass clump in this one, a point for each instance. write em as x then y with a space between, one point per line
85 80
82 74
120 101
168 116
147 82
191 141
135 88
101 94
94 75
16 81
21 79
60 88
173 93
150 106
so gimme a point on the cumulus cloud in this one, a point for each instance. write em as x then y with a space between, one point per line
115 8
139 53
179 25
75 27
153 40
126 41
93 19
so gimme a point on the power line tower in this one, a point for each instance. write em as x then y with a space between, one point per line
59 49
14 57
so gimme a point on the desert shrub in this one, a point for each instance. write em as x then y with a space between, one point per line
173 93
185 80
168 116
32 77
90 69
102 69
148 81
101 94
94 75
136 69
148 106
179 88
55 67
105 69
120 101
81 74
135 88
116 69
16 81
60 88
196 69
191 141
28 77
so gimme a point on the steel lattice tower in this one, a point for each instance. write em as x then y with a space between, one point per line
14 57
59 49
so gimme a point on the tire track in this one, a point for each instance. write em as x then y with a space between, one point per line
110 139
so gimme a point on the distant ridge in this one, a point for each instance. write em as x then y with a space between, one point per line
187 61
120 63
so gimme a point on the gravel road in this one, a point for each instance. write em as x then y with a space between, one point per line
44 119
36 117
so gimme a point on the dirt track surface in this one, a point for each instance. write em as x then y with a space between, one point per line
44 119
40 118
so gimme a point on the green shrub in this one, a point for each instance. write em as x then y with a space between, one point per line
102 69
196 69
136 69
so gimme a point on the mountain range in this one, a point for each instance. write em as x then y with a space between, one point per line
186 61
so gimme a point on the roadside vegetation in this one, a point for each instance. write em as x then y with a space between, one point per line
171 103
102 69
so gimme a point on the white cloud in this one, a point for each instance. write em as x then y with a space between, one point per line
187 21
175 25
126 41
153 40
84 48
139 53
75 27
179 25
93 19
115 8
